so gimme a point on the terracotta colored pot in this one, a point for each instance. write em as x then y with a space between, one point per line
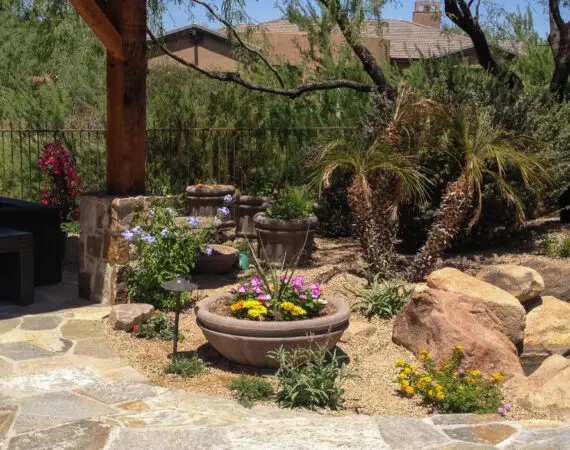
288 242
247 206
248 341
222 260
204 202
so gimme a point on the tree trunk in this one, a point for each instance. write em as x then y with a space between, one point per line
559 40
455 206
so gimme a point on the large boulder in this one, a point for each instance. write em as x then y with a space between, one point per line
504 305
547 390
548 328
437 321
125 316
522 282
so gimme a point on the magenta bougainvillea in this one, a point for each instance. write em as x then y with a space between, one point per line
61 185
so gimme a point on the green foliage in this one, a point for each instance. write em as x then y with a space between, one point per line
187 366
554 248
71 227
333 212
264 182
311 378
452 387
291 204
165 251
564 250
159 326
384 298
250 390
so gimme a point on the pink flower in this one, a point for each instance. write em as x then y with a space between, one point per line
135 329
257 290
264 297
242 289
303 296
255 282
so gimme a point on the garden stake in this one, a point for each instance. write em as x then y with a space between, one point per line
178 285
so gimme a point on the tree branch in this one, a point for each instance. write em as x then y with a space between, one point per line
285 92
366 58
559 40
554 14
249 48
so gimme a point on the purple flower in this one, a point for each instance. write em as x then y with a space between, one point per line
264 297
208 251
508 406
151 213
193 221
501 411
303 296
257 290
223 211
255 282
148 238
435 412
433 383
137 230
228 199
128 235
461 371
164 233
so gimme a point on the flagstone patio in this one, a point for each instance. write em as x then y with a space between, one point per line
62 386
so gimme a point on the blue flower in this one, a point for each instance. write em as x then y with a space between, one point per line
137 230
164 233
148 238
228 199
169 210
208 251
151 213
193 222
128 235
223 211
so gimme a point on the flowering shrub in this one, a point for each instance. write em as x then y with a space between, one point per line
160 326
165 251
451 387
287 299
61 183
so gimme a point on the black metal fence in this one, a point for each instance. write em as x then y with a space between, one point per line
176 157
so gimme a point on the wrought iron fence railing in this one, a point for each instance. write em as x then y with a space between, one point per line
176 157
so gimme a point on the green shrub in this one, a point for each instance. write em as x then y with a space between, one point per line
263 182
292 203
310 378
564 250
451 387
382 298
553 249
187 366
160 326
250 390
71 227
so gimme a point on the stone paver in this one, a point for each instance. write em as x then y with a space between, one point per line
40 322
63 387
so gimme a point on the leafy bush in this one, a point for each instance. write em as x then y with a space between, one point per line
333 212
160 326
263 182
293 203
564 250
250 390
382 298
71 227
452 387
310 378
187 366
165 251
552 248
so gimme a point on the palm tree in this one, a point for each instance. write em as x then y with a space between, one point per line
481 149
382 178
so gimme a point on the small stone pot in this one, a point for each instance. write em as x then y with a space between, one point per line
247 206
284 242
222 260
204 201
248 341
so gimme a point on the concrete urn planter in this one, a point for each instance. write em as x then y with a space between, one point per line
247 206
204 201
222 260
288 242
248 341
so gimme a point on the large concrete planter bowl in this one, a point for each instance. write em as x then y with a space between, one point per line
288 242
248 342
204 201
222 260
247 206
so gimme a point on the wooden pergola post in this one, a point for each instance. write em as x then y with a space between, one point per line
120 25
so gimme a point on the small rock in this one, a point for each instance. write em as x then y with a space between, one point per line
437 321
123 317
522 282
505 306
548 328
356 330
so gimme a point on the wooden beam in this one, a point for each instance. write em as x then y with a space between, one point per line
126 100
98 21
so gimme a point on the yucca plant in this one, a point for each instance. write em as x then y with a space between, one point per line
382 178
482 150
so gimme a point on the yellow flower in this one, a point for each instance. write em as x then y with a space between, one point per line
430 392
402 375
471 380
287 306
414 367
460 388
236 306
498 376
399 363
478 388
438 387
459 347
409 390
456 373
254 313
476 373
424 355
298 311
407 370
427 379
440 396
405 383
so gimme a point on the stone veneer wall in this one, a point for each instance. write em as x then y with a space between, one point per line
103 252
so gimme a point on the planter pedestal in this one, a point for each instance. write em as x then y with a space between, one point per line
223 260
284 242
204 202
247 206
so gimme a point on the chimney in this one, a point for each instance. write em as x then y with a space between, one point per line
428 14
